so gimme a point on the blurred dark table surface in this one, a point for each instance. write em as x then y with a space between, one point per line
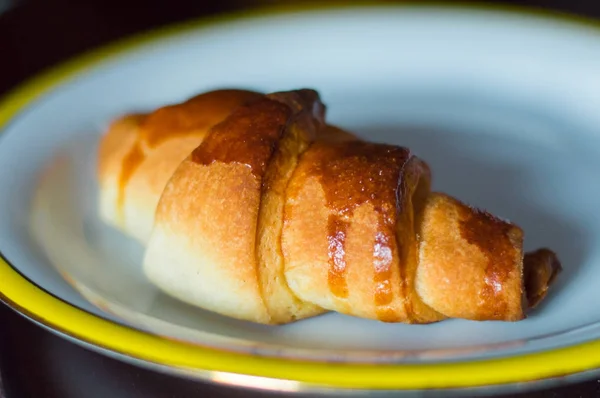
35 34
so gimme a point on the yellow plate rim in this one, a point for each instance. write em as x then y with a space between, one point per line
40 306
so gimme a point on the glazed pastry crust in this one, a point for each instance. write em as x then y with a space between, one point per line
253 207
218 224
140 152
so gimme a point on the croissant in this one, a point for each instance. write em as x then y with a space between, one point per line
276 216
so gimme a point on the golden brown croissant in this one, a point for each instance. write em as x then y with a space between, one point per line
276 217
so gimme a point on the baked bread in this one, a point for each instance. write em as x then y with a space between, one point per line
276 217
140 152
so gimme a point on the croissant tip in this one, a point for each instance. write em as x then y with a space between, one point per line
541 269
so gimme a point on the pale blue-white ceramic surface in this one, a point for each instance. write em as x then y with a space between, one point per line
504 108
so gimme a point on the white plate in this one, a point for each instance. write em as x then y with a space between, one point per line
504 107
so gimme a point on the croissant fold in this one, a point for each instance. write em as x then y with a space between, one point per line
250 205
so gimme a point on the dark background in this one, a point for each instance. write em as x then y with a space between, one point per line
35 34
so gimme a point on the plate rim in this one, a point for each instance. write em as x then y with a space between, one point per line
35 303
